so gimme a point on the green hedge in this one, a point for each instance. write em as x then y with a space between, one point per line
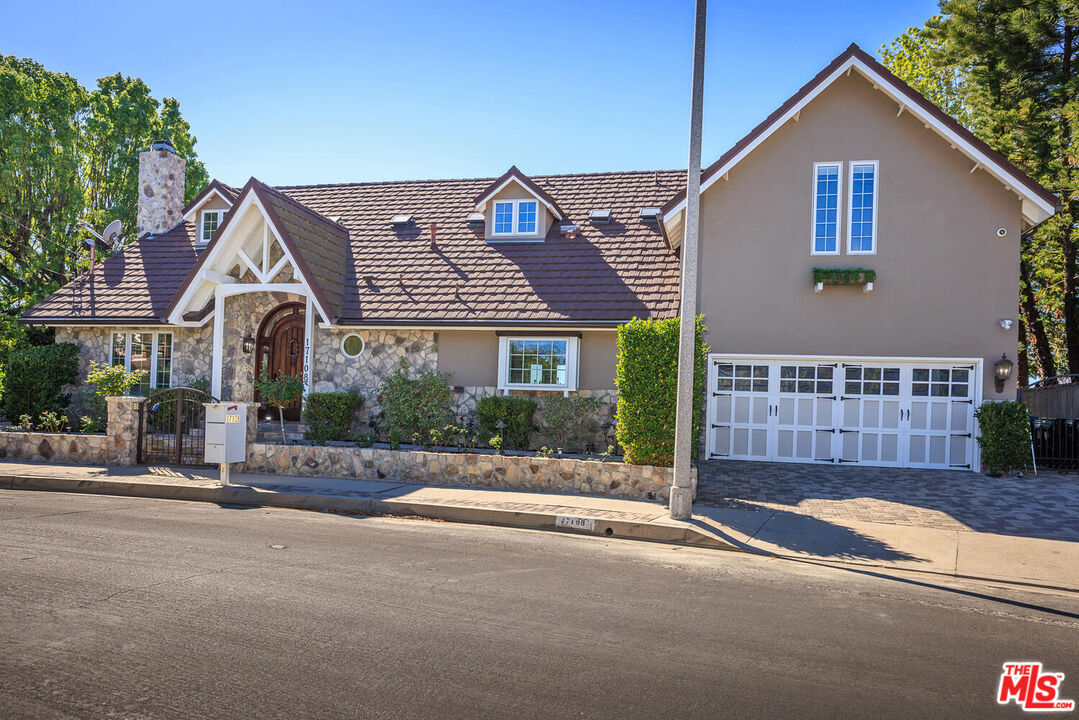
647 381
36 375
329 415
1005 436
515 411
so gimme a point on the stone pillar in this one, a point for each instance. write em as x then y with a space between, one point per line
161 189
123 430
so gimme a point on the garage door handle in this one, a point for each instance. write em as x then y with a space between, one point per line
969 402
826 397
847 431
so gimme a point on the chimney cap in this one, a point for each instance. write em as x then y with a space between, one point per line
163 145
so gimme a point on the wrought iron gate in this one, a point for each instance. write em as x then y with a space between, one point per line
172 427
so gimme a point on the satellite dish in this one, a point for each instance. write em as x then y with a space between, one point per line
111 236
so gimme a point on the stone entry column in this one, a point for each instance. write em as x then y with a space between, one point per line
123 430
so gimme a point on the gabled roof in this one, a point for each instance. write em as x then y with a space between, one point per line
1038 202
317 245
515 175
603 276
216 187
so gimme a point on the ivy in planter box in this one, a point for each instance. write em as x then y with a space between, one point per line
844 276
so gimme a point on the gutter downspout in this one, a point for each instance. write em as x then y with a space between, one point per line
682 492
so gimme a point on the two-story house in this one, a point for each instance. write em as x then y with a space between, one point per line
858 272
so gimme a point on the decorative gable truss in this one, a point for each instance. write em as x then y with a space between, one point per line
248 254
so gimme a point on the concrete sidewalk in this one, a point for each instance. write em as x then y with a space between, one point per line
984 556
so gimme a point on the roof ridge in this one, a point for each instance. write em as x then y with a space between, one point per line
281 188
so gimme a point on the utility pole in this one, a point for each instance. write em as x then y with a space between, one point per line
684 442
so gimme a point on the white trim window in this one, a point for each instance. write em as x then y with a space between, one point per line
146 351
211 220
514 218
827 194
862 215
538 363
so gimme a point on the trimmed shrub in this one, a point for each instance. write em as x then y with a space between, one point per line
570 422
329 415
36 375
1005 436
412 408
647 381
515 411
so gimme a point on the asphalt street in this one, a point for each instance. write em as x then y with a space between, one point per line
132 608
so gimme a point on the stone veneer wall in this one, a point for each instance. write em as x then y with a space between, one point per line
161 191
118 446
243 315
464 469
192 350
383 352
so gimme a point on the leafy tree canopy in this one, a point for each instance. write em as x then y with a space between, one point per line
68 153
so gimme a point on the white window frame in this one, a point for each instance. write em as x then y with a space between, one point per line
153 351
516 218
850 205
363 346
838 165
220 213
573 358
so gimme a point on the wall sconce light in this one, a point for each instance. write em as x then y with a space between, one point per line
1006 323
249 344
1003 371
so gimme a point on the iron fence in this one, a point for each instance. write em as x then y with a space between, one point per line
1056 442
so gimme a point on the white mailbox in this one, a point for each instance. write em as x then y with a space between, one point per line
226 432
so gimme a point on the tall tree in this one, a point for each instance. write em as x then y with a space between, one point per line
68 154
1014 64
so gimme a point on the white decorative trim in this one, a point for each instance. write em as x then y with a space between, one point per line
206 199
481 205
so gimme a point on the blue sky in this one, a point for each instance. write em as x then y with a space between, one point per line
353 91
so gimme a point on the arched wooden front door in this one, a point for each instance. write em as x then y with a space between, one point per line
279 350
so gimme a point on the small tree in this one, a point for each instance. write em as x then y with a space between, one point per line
110 381
412 408
280 393
647 381
570 422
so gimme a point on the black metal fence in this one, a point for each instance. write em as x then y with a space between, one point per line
173 427
1056 442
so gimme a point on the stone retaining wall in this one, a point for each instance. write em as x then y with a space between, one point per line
118 446
590 477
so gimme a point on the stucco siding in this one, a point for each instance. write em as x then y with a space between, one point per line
944 277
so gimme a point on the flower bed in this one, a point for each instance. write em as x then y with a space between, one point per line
467 469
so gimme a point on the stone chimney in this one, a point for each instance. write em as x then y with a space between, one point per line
161 189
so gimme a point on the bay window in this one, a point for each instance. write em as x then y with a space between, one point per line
147 351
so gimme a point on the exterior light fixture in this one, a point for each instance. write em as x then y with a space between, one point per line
249 344
501 426
1003 368
1006 323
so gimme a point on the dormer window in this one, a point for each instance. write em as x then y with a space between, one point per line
211 220
515 217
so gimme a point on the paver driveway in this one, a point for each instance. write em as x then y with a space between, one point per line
1046 506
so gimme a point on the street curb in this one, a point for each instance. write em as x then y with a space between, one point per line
615 529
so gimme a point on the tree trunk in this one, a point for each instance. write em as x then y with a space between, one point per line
281 419
1034 326
1022 359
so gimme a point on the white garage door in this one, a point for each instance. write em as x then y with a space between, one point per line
901 413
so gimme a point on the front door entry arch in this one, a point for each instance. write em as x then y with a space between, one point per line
279 349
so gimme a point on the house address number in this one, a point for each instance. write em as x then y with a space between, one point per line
575 522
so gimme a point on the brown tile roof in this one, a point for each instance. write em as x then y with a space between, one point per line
525 181
134 286
607 274
230 193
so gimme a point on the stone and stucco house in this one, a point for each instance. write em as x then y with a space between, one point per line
517 284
